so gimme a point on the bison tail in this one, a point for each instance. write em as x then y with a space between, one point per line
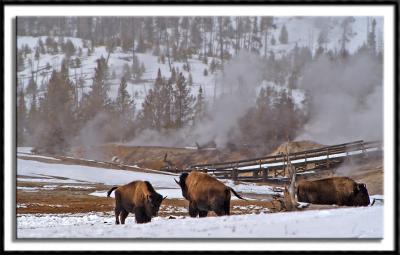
236 194
111 190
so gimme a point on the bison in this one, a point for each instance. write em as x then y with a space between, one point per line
205 193
137 197
335 190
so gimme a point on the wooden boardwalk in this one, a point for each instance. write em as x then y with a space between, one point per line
274 167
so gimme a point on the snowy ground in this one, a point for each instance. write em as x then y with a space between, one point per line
82 174
363 222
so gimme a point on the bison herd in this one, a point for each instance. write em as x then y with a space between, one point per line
205 193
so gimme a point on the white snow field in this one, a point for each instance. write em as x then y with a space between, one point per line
91 174
362 222
77 173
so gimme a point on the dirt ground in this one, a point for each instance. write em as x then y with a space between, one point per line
76 199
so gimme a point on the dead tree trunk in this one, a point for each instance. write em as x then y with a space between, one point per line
290 189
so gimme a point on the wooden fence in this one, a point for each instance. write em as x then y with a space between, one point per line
274 167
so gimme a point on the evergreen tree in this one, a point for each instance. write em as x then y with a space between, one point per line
141 48
37 54
69 49
347 33
97 99
125 110
41 46
148 31
166 99
265 26
56 115
32 87
126 72
273 40
20 61
152 108
21 118
183 102
372 38
199 108
190 80
195 34
78 63
283 36
285 119
32 118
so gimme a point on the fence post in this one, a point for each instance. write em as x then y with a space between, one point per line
364 155
235 174
264 174
305 161
327 159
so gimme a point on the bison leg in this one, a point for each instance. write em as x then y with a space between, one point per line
123 215
118 207
227 207
117 211
203 214
219 207
141 216
193 211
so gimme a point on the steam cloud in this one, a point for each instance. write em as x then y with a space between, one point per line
237 93
347 102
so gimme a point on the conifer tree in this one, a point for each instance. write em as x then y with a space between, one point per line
183 102
21 118
97 100
372 38
199 107
32 118
56 115
125 108
283 36
32 87
20 61
151 108
69 49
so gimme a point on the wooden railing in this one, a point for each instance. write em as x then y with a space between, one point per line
273 167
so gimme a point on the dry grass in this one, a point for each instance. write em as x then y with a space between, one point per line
78 200
296 146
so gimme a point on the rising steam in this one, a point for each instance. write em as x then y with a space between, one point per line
347 101
237 93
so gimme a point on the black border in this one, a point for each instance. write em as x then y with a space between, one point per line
396 95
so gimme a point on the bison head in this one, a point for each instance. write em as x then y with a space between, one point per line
182 184
153 203
361 196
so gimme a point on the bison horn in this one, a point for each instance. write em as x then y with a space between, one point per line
177 182
164 197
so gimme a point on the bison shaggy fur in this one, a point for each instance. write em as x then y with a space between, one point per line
334 190
205 193
137 197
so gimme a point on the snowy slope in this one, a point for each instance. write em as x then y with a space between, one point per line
165 184
91 174
302 31
365 222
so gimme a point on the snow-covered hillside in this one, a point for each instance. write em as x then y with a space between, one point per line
302 31
116 63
